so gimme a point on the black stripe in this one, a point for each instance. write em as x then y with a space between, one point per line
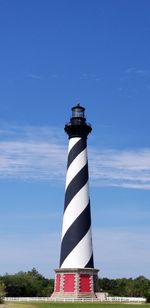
76 150
90 263
76 184
75 233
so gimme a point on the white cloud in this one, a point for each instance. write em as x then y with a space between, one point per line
35 160
31 133
135 71
121 168
90 76
32 153
39 153
35 76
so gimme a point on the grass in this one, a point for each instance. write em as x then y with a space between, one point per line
68 305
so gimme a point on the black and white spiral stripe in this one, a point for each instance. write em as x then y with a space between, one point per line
76 245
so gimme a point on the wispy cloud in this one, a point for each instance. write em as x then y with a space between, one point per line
40 153
90 76
35 76
31 133
32 160
31 153
122 168
135 71
44 76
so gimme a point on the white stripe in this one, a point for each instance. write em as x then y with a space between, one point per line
75 208
72 142
81 254
78 163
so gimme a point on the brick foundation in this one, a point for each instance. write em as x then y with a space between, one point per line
76 283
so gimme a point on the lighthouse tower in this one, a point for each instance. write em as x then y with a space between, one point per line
76 276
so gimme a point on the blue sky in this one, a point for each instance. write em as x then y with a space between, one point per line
53 54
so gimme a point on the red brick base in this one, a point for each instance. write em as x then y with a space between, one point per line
76 283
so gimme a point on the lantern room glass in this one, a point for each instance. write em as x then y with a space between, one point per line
78 112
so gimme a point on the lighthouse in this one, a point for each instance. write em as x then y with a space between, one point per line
76 276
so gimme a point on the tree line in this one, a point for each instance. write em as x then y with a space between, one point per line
25 284
32 284
128 287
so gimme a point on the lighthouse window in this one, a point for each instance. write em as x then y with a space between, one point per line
78 114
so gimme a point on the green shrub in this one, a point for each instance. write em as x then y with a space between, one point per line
2 292
147 295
